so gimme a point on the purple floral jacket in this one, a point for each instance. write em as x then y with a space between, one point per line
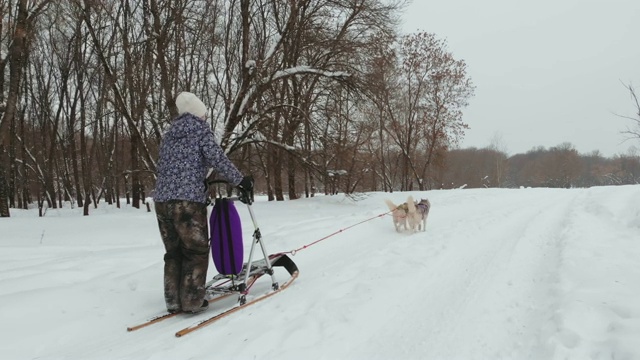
187 151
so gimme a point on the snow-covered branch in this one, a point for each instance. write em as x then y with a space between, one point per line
304 69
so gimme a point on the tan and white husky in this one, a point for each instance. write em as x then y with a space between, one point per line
411 215
399 214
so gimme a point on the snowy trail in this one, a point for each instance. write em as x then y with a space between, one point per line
498 277
461 282
499 274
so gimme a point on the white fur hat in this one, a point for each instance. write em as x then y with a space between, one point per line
187 102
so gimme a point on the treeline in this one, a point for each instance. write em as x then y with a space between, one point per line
557 167
308 96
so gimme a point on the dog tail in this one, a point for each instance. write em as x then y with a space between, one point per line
390 204
411 206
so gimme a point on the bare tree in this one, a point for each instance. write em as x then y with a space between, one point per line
501 163
383 80
563 166
301 50
427 118
633 132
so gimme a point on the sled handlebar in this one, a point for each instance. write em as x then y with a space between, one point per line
217 181
243 195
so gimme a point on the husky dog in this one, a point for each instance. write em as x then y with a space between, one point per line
417 214
410 215
399 214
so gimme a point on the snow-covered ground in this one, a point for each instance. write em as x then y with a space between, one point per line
499 274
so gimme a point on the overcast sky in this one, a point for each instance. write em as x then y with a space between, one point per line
546 71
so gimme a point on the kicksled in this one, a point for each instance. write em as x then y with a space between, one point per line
235 276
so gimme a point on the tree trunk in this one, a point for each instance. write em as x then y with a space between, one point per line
4 203
386 184
277 174
11 189
135 174
291 177
84 153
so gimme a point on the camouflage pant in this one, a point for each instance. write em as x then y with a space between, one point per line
183 227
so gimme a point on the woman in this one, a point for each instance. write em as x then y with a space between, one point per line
187 152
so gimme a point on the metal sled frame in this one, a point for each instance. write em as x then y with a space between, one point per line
253 268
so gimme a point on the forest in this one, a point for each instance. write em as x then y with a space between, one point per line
308 96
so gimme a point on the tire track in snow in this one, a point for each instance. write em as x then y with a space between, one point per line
485 276
600 253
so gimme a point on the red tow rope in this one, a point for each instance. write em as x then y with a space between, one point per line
293 252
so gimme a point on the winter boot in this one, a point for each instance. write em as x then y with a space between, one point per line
205 306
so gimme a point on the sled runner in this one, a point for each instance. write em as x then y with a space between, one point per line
235 277
258 269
